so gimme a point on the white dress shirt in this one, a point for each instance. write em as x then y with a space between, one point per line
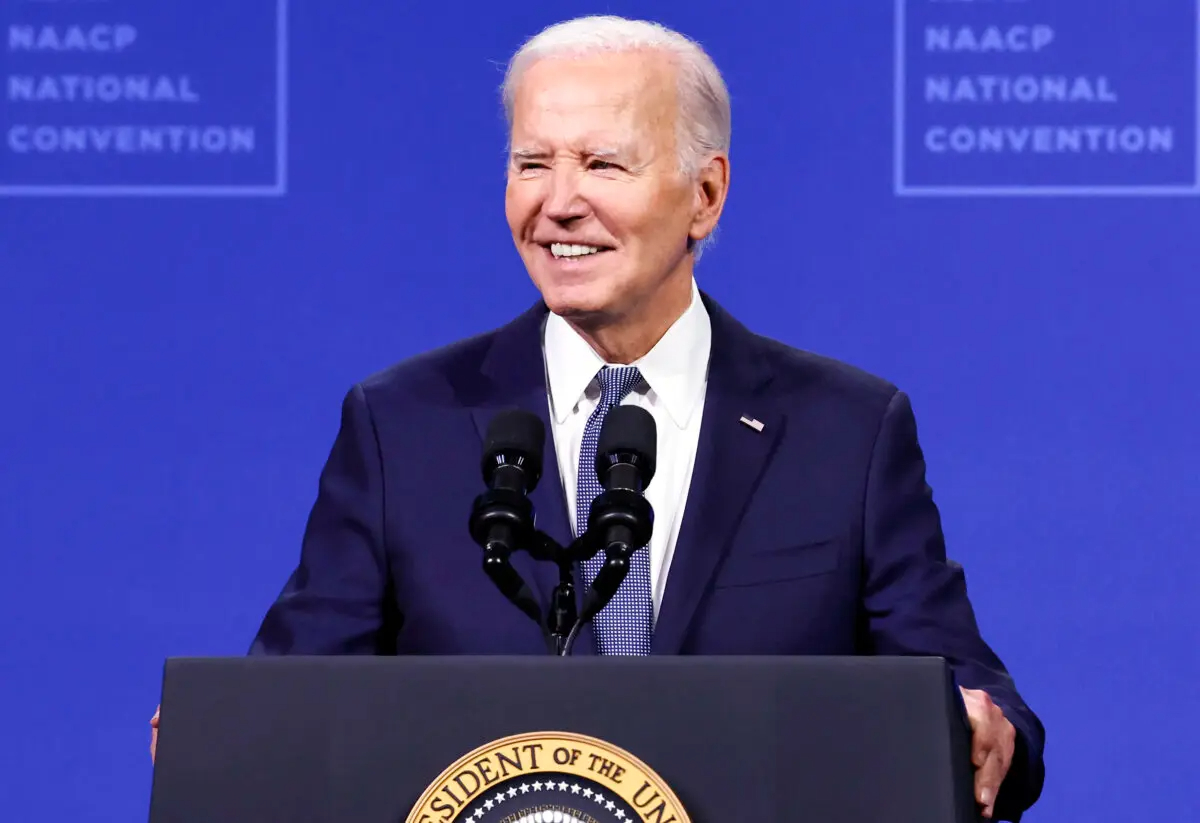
674 377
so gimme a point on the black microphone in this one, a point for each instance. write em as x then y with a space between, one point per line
502 517
621 520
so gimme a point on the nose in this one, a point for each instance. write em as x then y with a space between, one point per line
564 202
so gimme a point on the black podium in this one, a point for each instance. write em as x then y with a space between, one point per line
532 739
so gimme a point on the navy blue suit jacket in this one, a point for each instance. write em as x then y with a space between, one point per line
816 536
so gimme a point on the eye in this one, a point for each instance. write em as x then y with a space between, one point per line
602 164
527 165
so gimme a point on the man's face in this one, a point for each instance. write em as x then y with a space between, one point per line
594 169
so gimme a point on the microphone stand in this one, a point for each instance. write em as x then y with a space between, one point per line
562 609
632 516
562 614
563 622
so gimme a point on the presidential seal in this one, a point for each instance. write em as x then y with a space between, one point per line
548 777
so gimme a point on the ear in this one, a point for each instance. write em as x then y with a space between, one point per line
712 186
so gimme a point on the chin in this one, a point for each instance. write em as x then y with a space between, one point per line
578 311
576 300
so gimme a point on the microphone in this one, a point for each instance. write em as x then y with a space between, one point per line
502 517
621 520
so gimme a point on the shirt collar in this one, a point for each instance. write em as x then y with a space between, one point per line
676 369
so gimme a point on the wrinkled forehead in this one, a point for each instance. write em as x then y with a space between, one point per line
604 101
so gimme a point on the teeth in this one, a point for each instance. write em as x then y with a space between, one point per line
571 250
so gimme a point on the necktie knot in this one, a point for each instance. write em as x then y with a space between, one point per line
616 382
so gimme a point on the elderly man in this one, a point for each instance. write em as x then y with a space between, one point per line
792 515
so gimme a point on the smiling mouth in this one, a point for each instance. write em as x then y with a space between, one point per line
573 251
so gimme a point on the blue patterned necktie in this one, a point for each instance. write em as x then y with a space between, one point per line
626 624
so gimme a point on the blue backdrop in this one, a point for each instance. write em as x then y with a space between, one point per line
235 210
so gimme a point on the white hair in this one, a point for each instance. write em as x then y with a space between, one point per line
704 122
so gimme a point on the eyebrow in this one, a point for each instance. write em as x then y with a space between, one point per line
605 152
528 154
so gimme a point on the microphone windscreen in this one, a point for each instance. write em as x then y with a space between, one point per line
628 431
515 437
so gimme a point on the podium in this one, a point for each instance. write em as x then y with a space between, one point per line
533 739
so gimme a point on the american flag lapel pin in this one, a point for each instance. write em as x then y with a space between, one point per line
752 423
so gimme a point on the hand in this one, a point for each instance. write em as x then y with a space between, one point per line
154 732
993 739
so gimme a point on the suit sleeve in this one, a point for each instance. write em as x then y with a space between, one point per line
336 599
916 598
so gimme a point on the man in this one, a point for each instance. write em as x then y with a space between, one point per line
792 513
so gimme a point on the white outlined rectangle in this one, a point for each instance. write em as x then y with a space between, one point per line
899 124
278 188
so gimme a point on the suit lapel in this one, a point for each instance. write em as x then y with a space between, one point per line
515 378
731 457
